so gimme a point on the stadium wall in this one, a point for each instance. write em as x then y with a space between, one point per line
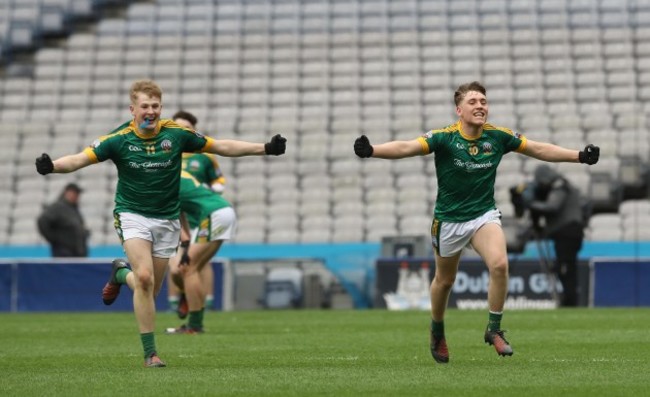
72 285
590 249
353 264
530 287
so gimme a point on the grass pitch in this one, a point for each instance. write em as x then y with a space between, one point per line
567 352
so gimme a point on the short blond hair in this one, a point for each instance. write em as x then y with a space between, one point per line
148 87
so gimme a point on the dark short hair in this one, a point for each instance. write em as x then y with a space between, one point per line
182 114
465 88
73 186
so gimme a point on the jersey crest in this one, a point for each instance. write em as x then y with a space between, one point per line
166 145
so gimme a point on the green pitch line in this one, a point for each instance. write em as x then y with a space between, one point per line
568 352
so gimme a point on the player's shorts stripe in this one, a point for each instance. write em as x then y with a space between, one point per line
435 233
117 224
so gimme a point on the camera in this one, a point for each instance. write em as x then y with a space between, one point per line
521 196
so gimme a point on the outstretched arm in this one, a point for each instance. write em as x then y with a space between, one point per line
71 163
397 149
389 150
232 148
549 152
63 165
554 153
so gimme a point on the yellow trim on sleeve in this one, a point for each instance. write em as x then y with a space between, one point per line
522 146
208 142
424 144
91 154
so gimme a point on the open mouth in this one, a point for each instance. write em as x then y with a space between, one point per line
146 122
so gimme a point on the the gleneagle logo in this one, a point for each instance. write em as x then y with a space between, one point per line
469 166
150 164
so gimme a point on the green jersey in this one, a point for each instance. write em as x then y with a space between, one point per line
148 167
197 200
467 167
204 167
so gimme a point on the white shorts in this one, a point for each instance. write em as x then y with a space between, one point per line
163 233
220 225
450 238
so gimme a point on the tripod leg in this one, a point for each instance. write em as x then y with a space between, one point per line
547 268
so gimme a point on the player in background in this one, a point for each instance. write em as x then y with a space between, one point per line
210 221
205 168
202 166
147 152
467 154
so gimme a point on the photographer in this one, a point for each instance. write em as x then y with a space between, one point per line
551 197
62 225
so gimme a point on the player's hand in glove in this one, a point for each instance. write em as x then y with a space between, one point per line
362 147
44 164
185 257
277 145
590 155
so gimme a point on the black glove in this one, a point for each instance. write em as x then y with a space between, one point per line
362 147
590 155
185 257
44 164
277 145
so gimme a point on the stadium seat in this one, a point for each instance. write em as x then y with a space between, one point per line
571 73
250 235
605 192
634 177
316 236
288 235
636 208
605 227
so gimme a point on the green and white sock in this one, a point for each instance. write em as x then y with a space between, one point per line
438 328
494 321
196 319
121 274
172 301
209 301
148 343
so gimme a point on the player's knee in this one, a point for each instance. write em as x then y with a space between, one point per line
444 282
145 279
499 268
175 271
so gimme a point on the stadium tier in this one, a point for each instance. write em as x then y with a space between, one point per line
321 73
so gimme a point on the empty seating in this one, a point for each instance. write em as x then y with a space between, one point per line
322 74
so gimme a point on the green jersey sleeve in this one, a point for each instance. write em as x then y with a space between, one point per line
511 141
104 147
191 141
437 139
